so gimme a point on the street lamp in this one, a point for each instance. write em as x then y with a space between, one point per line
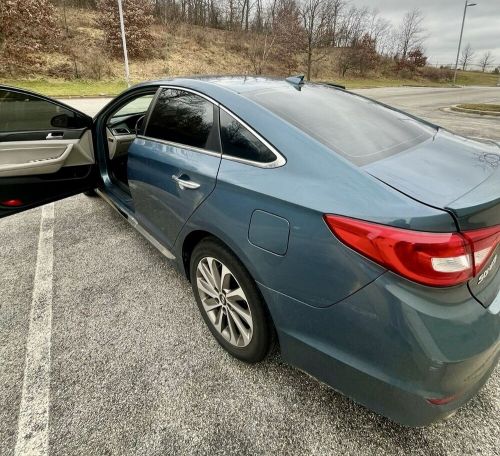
467 4
124 43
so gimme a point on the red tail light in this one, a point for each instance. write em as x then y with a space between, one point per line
14 202
435 259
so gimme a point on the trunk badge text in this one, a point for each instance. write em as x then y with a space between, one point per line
488 270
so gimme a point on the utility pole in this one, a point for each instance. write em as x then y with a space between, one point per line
124 43
467 4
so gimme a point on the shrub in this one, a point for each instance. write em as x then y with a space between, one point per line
85 64
436 74
26 28
137 18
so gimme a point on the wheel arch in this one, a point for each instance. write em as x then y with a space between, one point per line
193 238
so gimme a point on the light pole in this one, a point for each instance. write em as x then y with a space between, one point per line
467 4
124 43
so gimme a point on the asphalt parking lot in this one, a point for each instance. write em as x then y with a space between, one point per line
132 369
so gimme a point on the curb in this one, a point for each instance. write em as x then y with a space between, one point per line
475 111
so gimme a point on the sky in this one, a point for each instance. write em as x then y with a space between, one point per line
443 19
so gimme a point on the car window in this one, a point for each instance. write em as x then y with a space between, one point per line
359 129
26 112
184 118
237 141
138 105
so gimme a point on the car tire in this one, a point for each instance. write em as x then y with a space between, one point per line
90 193
240 323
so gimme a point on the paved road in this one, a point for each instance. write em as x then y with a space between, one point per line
133 370
428 103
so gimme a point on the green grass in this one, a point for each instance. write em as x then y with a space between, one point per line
480 107
63 88
366 83
477 78
86 88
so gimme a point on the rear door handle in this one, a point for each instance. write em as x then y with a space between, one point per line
185 184
55 135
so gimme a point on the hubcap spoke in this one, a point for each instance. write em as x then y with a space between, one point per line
218 322
232 330
211 304
214 270
207 274
207 288
225 277
224 301
245 333
236 295
243 313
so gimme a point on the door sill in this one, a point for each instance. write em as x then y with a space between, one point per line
126 213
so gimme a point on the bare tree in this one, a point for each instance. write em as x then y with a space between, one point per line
137 15
486 60
333 13
411 32
380 31
260 47
314 20
467 56
289 33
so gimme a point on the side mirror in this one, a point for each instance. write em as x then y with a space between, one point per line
61 121
139 124
69 121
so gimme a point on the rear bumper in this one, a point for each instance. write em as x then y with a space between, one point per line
393 345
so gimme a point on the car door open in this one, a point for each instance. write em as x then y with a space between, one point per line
46 151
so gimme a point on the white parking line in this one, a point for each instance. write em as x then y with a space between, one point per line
33 421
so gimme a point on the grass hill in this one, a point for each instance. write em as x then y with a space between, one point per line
80 67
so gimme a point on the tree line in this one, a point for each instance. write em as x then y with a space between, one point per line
282 30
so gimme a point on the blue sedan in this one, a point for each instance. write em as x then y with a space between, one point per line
363 240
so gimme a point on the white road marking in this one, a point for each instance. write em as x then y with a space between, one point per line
33 422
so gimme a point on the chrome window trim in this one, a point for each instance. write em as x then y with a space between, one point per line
280 159
185 89
180 146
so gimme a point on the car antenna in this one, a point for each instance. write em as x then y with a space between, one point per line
296 81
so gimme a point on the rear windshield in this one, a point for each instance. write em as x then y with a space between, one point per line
358 129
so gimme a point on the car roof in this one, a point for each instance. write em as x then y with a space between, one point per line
236 84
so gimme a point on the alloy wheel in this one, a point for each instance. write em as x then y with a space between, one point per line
224 301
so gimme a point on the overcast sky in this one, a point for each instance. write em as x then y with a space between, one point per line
442 21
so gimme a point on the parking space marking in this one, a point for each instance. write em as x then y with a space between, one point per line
33 421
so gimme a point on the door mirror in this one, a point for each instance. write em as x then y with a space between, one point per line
68 121
139 124
60 121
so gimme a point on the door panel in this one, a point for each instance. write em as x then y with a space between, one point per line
22 158
156 171
46 151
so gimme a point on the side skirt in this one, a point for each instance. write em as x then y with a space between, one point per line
125 213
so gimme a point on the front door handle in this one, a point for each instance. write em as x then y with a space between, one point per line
185 184
55 135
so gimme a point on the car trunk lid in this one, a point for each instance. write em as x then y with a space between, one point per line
460 176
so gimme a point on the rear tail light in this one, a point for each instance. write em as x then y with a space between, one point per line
435 259
484 242
14 202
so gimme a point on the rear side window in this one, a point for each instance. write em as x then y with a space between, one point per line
237 141
184 118
25 112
